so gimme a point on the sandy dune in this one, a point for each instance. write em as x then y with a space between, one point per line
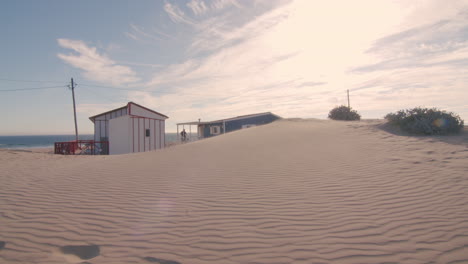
295 191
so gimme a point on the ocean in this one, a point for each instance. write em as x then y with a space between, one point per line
47 141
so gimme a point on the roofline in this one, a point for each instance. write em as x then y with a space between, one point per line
227 119
194 123
94 116
241 117
147 109
128 112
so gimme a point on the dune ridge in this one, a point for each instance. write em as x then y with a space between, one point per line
294 191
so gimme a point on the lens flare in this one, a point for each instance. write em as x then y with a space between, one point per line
440 122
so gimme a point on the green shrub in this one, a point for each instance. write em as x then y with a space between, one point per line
426 121
343 113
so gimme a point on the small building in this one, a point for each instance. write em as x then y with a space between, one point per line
214 128
131 128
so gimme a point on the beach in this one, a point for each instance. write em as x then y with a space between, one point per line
293 191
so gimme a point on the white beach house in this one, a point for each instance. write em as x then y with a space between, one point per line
131 128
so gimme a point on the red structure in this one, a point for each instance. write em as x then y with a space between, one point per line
82 147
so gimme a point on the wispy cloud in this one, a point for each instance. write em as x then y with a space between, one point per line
423 65
142 33
299 58
139 33
310 84
215 25
198 7
444 41
150 65
176 14
96 67
239 75
216 33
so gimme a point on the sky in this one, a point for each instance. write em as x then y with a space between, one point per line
200 59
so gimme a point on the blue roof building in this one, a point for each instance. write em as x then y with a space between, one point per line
214 128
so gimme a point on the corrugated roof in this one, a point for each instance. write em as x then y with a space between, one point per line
148 109
228 119
105 113
123 107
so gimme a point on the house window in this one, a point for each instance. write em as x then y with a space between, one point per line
215 130
147 132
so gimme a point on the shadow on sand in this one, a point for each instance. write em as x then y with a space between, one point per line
460 139
83 252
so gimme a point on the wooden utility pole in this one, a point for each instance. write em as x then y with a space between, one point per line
349 106
72 87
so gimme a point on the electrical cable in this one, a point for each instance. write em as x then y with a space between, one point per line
15 80
115 88
136 90
35 88
100 95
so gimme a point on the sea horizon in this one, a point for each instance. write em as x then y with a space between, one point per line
47 141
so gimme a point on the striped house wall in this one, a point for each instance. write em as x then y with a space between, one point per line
139 141
101 124
125 129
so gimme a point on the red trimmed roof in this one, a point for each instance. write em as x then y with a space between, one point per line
147 109
123 107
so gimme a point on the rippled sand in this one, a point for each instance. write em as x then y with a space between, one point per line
294 191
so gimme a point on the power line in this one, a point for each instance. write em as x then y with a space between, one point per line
103 96
115 88
35 88
85 85
124 89
33 81
136 90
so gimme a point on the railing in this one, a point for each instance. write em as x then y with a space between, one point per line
82 147
188 138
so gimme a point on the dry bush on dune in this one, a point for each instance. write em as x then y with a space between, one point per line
426 121
344 113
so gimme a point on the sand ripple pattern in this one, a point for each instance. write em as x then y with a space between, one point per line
289 192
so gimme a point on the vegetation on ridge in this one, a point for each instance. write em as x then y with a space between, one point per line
426 121
344 113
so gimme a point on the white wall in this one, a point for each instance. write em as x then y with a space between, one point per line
101 123
127 134
97 131
134 124
139 140
157 137
119 135
153 141
162 130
